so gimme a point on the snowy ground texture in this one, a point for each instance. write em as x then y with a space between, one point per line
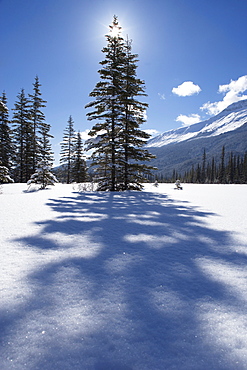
149 280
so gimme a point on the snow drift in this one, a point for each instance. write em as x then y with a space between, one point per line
131 280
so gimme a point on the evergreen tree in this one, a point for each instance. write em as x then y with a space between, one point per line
107 110
79 168
23 136
213 171
192 175
3 106
238 170
222 167
67 147
43 175
230 169
245 168
132 138
40 144
198 174
6 145
203 173
45 150
4 174
116 136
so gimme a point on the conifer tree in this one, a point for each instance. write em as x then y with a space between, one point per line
23 137
45 149
67 147
203 172
116 135
238 171
43 175
107 109
245 168
4 174
78 167
213 171
230 169
222 167
6 145
132 138
41 136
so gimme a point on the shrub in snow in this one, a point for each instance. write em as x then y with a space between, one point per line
4 175
83 186
43 176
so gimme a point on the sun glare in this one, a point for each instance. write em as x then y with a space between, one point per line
115 31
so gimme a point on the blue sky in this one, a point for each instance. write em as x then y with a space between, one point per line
192 56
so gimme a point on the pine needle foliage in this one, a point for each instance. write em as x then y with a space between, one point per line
6 144
23 138
31 134
4 175
39 126
116 137
78 167
43 176
67 147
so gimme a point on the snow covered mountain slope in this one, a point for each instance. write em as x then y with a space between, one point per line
181 148
230 119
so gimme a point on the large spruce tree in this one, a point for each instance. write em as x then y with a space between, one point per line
67 147
78 166
132 137
23 138
107 110
45 152
41 136
6 145
116 137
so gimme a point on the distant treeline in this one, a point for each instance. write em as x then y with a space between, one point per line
228 169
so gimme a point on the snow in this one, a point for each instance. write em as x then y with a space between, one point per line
132 280
231 122
230 119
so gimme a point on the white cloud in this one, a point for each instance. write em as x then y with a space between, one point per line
188 120
152 132
233 93
187 88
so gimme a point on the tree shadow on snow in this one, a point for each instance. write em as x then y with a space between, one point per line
126 281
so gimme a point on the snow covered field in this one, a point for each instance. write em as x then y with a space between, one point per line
141 281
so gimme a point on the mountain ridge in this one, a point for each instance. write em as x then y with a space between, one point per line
230 119
180 148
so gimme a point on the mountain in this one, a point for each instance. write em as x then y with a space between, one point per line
180 148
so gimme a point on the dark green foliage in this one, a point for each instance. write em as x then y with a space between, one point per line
4 174
6 145
41 130
222 174
23 138
37 118
78 166
31 134
132 138
45 150
107 109
116 137
67 147
43 176
231 169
